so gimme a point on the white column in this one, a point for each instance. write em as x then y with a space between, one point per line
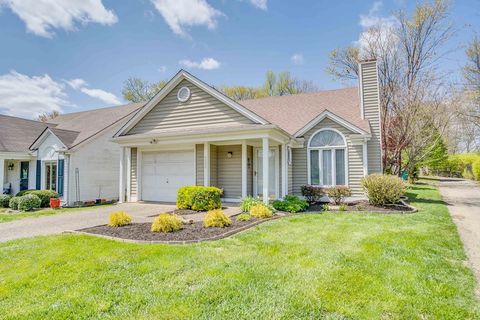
206 164
365 159
265 169
128 174
284 170
139 174
121 190
2 174
244 169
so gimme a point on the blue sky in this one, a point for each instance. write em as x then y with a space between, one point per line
46 44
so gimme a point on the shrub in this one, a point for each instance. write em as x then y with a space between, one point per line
383 189
199 198
261 211
360 207
44 195
248 202
119 219
29 202
244 217
291 204
325 207
312 193
216 218
339 193
5 200
343 207
24 192
13 203
166 222
476 169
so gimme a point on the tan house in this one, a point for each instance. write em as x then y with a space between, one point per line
191 134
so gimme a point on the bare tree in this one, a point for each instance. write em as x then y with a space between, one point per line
46 116
137 90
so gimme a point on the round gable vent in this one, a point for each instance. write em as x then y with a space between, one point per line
183 94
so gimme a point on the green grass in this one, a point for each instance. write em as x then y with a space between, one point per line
5 216
314 266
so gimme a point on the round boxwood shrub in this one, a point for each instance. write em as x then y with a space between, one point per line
244 217
216 218
199 198
383 189
44 195
261 211
29 202
119 219
13 203
339 193
166 222
5 200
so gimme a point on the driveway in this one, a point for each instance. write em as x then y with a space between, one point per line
463 201
37 226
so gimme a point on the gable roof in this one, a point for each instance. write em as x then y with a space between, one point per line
17 134
294 112
179 77
74 128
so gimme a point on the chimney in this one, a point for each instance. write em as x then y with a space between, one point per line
370 111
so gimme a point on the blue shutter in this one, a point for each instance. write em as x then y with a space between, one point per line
38 174
60 176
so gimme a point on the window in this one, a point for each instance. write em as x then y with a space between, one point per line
51 175
327 164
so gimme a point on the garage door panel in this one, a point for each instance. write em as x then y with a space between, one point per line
164 172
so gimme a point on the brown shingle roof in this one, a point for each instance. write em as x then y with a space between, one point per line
291 113
16 134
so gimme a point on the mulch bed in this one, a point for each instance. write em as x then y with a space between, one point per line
183 212
367 207
194 232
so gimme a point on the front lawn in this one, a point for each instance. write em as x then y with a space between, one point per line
332 265
5 216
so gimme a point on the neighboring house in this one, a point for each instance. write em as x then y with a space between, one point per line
191 134
72 154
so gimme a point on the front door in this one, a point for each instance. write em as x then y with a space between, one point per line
272 172
24 167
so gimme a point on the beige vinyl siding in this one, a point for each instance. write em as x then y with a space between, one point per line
249 170
200 110
280 173
354 160
371 109
229 171
133 172
213 165
199 167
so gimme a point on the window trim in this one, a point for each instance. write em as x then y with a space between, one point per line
320 158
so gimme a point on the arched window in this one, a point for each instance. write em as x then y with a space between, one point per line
326 153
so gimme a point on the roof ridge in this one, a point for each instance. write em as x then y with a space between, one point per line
20 118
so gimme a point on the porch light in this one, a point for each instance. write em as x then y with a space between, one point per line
229 154
10 166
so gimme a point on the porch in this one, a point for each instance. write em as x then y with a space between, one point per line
16 173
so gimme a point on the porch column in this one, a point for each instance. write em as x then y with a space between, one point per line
265 169
2 174
284 170
128 152
244 169
206 166
121 190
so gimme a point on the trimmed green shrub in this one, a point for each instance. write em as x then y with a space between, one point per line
342 207
339 193
291 204
29 202
313 194
383 189
261 211
199 198
13 203
5 200
44 195
119 219
244 217
249 202
325 207
216 219
166 222
24 192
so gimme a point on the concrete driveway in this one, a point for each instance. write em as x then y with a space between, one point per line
58 223
463 201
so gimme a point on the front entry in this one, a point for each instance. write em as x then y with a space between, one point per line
24 171
273 169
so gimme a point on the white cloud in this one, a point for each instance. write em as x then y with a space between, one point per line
297 59
262 4
28 97
41 16
179 14
205 64
105 96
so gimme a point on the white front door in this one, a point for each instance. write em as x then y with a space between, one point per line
164 172
272 169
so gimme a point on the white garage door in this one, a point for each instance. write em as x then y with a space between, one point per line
164 172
